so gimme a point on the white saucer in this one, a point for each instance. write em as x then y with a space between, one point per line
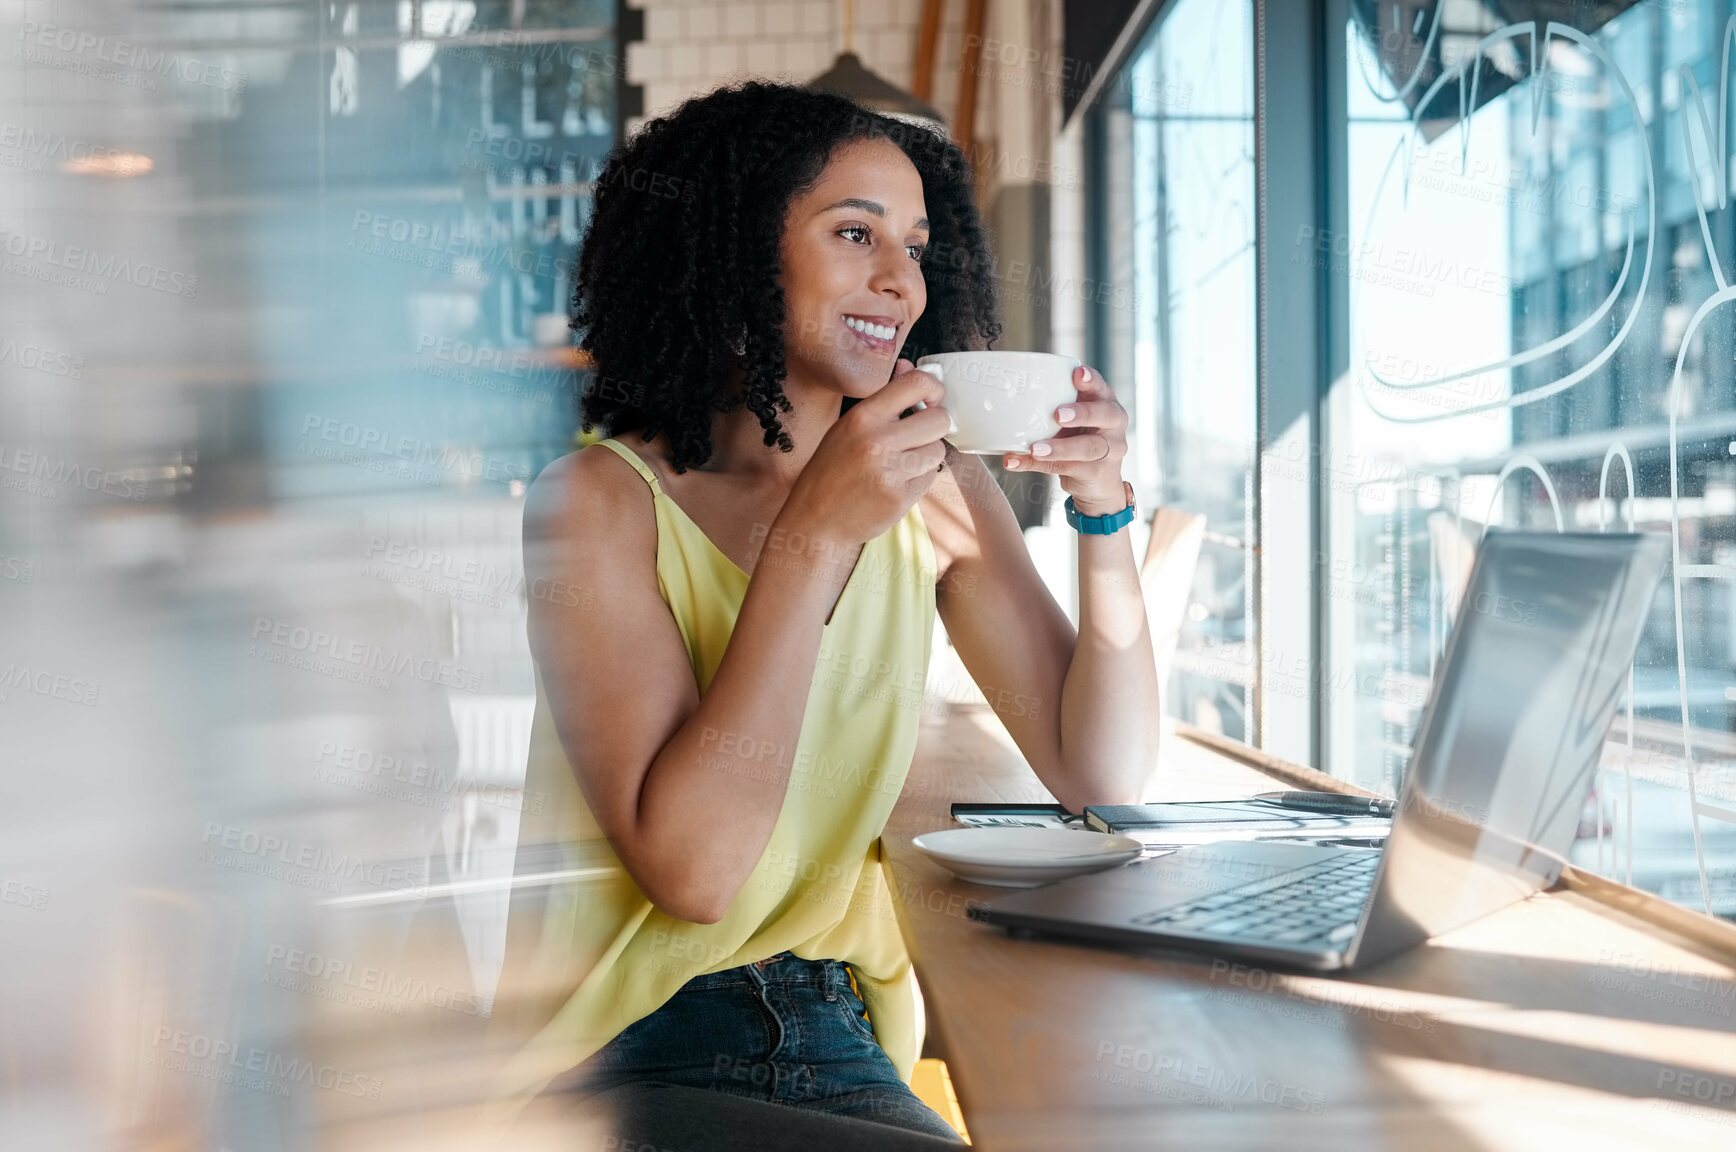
1025 857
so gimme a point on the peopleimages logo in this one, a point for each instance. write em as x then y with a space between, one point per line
224 1060
264 853
61 149
413 781
74 258
126 54
24 895
405 563
364 985
41 474
19 677
419 242
1167 1075
311 644
39 359
426 461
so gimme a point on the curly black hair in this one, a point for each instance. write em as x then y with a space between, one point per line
681 258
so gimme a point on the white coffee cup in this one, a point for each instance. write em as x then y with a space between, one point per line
1002 401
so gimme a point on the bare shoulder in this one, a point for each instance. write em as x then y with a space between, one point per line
587 529
554 494
583 488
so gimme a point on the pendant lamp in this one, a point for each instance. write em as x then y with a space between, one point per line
850 78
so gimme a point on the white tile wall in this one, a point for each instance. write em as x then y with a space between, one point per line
805 59
700 23
691 46
817 19
663 24
722 59
762 57
741 21
636 53
780 20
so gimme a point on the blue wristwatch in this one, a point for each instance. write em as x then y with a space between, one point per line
1102 525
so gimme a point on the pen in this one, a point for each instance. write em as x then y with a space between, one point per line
1331 803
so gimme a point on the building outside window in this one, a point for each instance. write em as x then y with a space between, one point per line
1523 257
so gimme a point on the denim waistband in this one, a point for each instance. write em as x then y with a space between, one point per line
784 968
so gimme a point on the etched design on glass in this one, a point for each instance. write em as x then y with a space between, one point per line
1679 574
1401 22
1567 216
1712 173
1618 451
1406 158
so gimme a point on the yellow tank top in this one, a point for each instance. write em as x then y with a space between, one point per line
588 954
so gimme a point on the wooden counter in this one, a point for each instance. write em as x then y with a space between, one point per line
1590 1016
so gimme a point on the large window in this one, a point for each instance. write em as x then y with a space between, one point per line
1520 258
1538 338
1182 118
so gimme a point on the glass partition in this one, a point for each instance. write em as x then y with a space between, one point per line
285 296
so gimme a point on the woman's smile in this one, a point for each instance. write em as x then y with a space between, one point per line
878 332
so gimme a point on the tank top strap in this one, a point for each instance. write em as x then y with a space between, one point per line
638 464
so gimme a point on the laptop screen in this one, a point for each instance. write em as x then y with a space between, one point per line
1508 746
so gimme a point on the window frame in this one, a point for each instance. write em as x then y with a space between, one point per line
1293 308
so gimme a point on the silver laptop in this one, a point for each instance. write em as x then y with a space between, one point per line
1502 764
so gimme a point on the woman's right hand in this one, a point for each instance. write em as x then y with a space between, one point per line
873 465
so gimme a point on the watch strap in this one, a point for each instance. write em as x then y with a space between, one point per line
1105 525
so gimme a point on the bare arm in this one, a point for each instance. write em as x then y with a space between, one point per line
686 788
1110 714
1081 706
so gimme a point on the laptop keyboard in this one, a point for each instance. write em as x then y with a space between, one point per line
1316 904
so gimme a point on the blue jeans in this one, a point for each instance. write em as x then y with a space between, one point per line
783 1031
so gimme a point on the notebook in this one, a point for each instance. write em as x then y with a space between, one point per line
1179 824
1016 816
1206 822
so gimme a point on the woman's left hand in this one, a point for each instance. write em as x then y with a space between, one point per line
1087 453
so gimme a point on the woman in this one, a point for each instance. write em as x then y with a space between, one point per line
731 618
